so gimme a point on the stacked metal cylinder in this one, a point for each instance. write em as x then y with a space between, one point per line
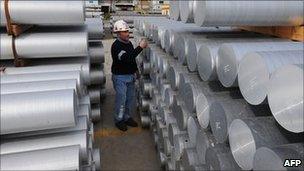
190 99
93 9
49 105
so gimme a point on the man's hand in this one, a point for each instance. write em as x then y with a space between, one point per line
143 43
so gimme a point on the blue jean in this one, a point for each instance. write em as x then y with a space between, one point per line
124 86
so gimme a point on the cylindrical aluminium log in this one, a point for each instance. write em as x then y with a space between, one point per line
192 129
96 158
24 87
94 28
208 51
174 130
189 158
45 12
186 11
181 142
145 104
285 96
222 113
146 68
173 75
96 112
81 124
61 158
145 121
255 70
204 140
273 158
190 91
83 68
248 13
34 77
97 76
45 45
167 116
169 97
147 89
94 93
174 10
247 135
220 157
167 147
49 109
164 85
46 142
96 53
230 54
85 110
171 34
182 115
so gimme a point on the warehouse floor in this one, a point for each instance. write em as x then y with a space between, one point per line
131 150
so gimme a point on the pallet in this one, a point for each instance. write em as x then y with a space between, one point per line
293 33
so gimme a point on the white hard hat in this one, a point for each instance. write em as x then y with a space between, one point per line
120 25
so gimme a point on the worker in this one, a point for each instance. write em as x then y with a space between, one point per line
124 71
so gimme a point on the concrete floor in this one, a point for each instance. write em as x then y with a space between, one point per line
131 150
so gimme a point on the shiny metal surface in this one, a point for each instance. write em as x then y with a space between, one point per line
193 47
34 77
167 146
172 131
46 142
186 11
85 110
169 97
271 158
81 124
191 91
174 10
95 28
94 93
38 106
96 112
255 70
61 158
204 140
24 87
248 13
96 53
192 129
173 75
97 76
83 68
45 12
181 142
222 113
247 135
182 115
96 158
189 158
220 157
285 97
46 45
230 54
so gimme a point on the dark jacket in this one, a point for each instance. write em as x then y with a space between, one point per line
123 55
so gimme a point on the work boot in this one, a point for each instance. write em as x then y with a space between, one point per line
121 126
131 122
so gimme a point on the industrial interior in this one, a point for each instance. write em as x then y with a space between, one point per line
218 86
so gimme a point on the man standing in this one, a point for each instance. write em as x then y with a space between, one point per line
123 74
